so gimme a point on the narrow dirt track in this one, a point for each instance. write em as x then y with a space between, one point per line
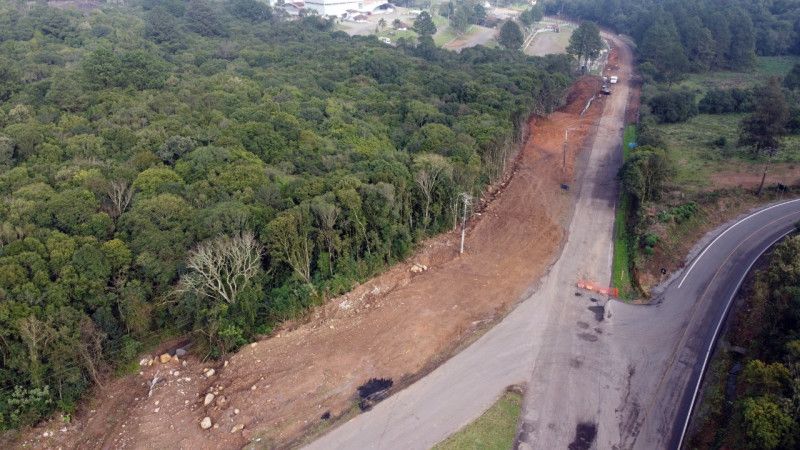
398 325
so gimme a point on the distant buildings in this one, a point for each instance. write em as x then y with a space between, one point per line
356 10
334 7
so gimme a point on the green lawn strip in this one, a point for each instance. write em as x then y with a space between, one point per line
766 66
393 34
623 241
494 430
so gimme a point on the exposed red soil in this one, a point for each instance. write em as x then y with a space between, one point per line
398 325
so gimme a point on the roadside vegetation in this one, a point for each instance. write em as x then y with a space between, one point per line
206 169
624 237
750 400
718 115
494 430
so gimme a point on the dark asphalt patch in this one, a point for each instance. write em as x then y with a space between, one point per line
373 391
585 432
588 337
599 312
575 363
583 325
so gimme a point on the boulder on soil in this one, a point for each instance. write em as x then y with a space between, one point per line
209 373
180 352
209 398
205 423
418 268
237 428
165 358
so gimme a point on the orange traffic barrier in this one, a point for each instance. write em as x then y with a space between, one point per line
591 286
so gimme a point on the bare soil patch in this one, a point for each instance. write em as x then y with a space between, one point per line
398 326
748 176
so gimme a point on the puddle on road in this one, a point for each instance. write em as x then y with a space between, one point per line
585 432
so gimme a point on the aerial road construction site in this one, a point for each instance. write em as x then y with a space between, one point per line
443 335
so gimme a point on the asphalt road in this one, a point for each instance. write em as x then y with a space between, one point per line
688 316
610 374
546 328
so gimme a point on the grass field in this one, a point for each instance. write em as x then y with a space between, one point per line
623 240
691 147
494 430
394 34
690 143
547 43
443 34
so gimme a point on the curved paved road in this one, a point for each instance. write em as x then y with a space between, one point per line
541 330
624 375
687 319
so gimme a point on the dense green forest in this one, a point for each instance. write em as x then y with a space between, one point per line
205 168
759 407
678 36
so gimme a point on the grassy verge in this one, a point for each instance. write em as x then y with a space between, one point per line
444 34
623 239
495 429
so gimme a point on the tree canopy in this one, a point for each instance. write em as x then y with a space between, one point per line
678 35
510 35
424 25
585 43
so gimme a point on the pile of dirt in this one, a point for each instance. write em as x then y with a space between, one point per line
399 325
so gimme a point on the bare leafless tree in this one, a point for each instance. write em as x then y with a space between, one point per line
220 268
120 193
91 348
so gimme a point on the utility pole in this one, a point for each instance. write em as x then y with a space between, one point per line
467 199
564 162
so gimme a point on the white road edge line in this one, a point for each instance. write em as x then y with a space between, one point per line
723 234
719 325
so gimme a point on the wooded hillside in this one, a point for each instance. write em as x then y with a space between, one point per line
206 168
678 36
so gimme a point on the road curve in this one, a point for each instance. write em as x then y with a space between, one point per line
541 335
688 316
629 373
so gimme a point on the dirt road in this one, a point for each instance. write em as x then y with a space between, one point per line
399 325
